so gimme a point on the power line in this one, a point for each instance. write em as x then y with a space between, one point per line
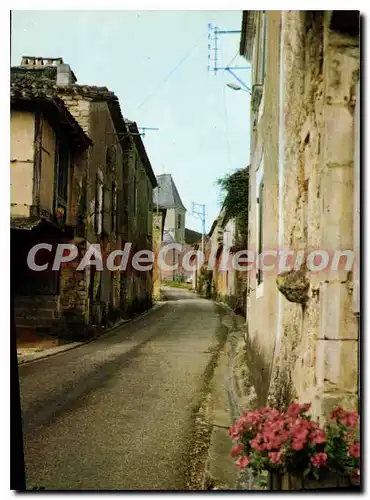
172 71
227 128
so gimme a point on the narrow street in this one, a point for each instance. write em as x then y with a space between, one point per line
116 413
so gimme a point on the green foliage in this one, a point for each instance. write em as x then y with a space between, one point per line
178 284
204 285
338 438
235 193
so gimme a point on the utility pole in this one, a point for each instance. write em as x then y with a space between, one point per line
199 210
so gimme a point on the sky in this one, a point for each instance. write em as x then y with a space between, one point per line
156 63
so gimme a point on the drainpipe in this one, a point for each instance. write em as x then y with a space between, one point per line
281 181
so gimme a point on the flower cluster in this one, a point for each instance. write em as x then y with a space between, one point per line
343 446
290 441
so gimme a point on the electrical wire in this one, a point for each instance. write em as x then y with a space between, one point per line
227 128
232 60
173 70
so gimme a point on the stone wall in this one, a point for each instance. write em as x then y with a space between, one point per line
36 312
304 138
104 162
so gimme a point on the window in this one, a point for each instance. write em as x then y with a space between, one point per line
262 68
260 226
135 195
259 60
179 221
62 159
114 207
99 206
63 165
110 157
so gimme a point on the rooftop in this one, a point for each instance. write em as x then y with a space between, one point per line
37 76
25 94
166 194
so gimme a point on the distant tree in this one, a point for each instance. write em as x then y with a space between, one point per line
235 198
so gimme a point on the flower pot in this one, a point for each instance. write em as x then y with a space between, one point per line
327 479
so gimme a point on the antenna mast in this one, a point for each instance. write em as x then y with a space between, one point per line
213 46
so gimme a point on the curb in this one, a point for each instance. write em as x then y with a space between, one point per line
234 394
74 345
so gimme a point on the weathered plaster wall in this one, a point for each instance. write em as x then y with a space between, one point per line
171 224
157 222
262 298
22 133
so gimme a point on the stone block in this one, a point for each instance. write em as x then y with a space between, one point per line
342 73
324 403
46 313
337 365
337 215
339 136
337 320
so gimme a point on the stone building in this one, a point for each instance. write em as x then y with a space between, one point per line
46 144
167 196
159 216
109 194
303 326
139 182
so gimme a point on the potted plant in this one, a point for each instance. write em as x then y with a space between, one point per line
295 450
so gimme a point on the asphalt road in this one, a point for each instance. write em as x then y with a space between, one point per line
116 414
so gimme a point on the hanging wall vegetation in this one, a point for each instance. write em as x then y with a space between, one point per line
235 193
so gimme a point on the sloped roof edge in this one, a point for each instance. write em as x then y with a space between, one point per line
247 34
132 126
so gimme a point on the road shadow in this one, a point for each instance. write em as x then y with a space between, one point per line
169 293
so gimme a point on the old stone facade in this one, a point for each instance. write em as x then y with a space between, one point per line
107 197
159 216
304 195
166 196
45 142
139 181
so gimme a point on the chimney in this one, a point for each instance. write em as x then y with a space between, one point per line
40 62
64 75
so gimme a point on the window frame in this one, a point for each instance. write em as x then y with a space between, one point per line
260 185
62 174
114 224
99 205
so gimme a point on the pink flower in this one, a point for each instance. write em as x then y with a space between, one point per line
354 450
349 418
275 457
234 431
299 435
319 460
298 444
318 436
237 450
337 412
295 409
255 443
242 462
